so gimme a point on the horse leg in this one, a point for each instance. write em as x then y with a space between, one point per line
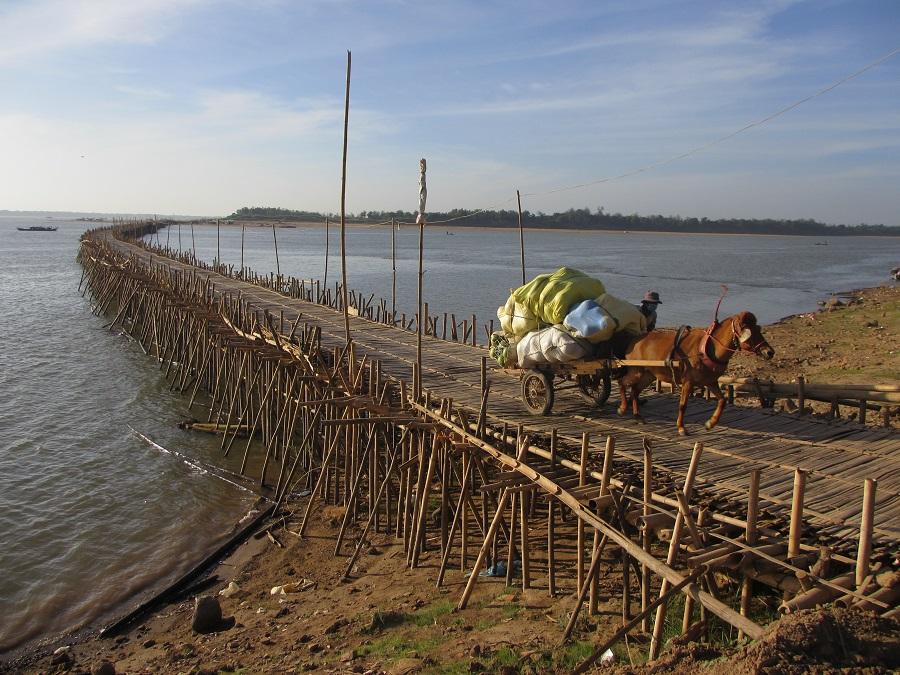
686 388
623 398
624 384
720 405
636 389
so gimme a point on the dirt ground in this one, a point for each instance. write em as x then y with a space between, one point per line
385 618
811 641
388 618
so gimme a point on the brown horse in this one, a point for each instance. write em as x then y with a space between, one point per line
702 357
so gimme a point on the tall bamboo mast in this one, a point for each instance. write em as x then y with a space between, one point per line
325 275
343 208
521 235
420 322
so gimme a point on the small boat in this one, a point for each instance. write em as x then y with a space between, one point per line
37 228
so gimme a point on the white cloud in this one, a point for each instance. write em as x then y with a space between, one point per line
37 28
142 92
249 114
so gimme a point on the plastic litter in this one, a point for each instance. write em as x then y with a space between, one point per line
498 569
229 590
292 587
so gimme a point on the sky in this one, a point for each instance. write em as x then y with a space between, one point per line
203 106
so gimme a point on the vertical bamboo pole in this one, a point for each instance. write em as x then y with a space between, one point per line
521 235
646 535
243 225
343 207
277 262
551 521
193 241
582 474
325 275
393 272
609 451
482 554
511 549
750 537
674 544
796 513
866 522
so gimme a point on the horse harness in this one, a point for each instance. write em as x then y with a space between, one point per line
682 331
708 355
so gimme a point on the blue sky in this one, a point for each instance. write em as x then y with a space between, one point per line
203 106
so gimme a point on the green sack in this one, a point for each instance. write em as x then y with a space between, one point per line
500 350
550 296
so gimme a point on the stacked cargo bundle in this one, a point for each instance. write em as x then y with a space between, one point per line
558 318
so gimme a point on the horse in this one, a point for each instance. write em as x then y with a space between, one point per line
701 355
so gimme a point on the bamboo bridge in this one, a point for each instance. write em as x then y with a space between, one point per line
803 507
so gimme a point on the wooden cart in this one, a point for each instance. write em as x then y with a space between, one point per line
592 379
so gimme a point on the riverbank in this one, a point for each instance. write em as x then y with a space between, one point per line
387 618
853 338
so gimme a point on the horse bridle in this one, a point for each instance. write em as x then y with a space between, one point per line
735 345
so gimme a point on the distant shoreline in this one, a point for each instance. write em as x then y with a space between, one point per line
334 225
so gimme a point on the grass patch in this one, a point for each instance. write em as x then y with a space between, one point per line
511 611
398 646
428 616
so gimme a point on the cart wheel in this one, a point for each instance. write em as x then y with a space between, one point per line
594 388
537 392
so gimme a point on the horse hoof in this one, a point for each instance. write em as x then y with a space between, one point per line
709 426
620 411
682 431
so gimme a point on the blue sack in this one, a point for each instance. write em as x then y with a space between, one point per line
590 321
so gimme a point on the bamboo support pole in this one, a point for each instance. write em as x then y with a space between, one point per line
750 538
656 639
796 513
482 553
585 665
646 534
579 532
866 522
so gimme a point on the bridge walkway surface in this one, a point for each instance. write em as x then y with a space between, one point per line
838 456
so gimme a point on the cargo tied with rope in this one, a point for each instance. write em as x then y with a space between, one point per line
564 330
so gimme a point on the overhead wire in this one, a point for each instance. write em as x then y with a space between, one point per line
688 153
726 137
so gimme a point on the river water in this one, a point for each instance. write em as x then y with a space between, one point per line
92 514
471 270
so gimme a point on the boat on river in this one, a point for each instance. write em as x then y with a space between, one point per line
37 228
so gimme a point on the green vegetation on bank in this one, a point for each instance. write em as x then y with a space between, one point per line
585 219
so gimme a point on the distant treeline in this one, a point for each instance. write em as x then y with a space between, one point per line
585 219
